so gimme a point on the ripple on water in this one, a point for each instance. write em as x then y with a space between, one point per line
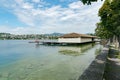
44 62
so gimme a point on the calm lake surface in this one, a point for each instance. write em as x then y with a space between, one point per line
20 60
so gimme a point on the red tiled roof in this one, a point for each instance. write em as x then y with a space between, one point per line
76 35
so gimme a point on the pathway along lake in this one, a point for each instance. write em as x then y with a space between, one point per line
20 60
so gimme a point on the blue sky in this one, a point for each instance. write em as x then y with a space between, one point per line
47 16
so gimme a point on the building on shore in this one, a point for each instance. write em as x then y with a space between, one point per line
76 38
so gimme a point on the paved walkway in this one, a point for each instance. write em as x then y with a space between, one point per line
113 66
96 70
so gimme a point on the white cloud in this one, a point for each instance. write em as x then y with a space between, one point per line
36 1
76 5
74 18
27 6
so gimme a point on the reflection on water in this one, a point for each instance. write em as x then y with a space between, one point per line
97 51
75 50
20 60
70 52
37 45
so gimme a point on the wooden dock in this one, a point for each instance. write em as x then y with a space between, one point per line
62 43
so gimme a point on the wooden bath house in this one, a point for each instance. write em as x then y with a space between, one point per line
76 38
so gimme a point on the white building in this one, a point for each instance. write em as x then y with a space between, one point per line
76 38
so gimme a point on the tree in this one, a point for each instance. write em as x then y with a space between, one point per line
89 1
115 18
110 14
102 32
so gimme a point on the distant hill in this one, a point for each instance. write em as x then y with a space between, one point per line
4 36
54 34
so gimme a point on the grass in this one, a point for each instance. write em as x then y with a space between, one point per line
118 54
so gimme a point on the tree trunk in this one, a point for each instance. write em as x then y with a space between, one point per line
111 40
118 37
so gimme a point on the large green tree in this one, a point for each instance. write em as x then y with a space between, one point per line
110 17
102 31
115 18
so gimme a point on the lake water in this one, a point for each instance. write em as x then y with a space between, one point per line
20 60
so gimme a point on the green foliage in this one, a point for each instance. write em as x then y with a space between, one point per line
88 2
102 32
110 14
115 18
111 19
105 13
117 54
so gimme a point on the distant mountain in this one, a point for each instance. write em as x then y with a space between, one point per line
54 34
4 36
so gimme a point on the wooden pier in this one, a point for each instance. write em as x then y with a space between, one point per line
62 43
